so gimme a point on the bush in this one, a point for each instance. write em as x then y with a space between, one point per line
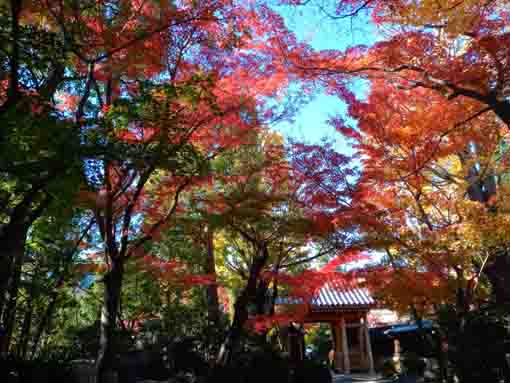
255 366
36 371
477 349
388 367
312 371
413 364
186 356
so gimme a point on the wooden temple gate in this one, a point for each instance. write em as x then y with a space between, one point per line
346 310
351 339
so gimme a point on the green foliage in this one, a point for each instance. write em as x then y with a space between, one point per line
257 363
40 154
388 368
319 339
477 342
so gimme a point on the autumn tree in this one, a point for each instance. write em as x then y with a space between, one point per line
433 184
51 61
428 199
258 205
446 57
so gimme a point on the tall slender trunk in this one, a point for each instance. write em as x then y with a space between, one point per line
11 294
232 341
13 238
43 324
274 294
213 309
45 320
12 249
105 362
26 325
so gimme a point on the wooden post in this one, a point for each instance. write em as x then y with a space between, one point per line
335 326
345 348
368 346
362 351
396 355
302 347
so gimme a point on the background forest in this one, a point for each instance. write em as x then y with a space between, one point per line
148 203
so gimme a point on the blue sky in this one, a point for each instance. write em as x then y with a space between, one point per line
322 33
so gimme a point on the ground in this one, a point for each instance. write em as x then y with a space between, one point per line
363 378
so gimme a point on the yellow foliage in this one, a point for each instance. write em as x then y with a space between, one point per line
456 17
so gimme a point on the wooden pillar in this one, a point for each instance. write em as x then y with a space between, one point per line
368 346
302 341
362 351
396 354
345 348
335 329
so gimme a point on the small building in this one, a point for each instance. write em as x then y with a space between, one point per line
346 309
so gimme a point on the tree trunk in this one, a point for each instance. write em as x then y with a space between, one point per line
261 301
48 313
43 324
26 325
498 273
12 250
481 190
106 356
232 341
11 294
13 238
502 110
213 309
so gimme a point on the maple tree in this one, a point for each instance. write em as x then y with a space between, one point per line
304 231
252 204
184 141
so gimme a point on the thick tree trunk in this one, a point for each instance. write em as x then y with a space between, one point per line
498 273
233 338
106 356
261 301
10 297
13 238
5 274
213 309
502 110
12 249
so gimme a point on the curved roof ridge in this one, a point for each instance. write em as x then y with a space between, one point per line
336 294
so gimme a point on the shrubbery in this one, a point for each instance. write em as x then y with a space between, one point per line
268 365
36 371
311 371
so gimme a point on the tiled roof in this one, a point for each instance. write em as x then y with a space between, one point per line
335 296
